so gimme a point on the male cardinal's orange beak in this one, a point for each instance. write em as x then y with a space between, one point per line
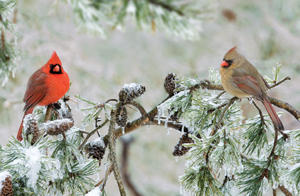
224 64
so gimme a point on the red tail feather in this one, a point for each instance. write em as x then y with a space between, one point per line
19 136
273 115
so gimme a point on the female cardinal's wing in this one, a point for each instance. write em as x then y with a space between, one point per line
249 85
36 90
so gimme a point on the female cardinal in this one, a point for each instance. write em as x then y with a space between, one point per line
46 86
241 79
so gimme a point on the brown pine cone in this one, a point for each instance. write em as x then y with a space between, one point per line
56 127
7 187
31 128
130 92
96 149
121 116
179 149
170 83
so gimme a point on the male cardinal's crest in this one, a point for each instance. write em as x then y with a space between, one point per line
46 86
54 59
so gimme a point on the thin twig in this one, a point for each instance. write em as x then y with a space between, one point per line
84 132
64 136
48 112
262 119
2 39
274 192
274 146
166 6
101 105
92 133
227 179
170 124
112 153
104 180
265 172
219 95
124 166
139 107
217 108
284 190
15 16
281 81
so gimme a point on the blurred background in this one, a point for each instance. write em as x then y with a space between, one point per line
266 32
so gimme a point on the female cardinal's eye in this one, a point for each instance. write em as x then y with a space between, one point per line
229 62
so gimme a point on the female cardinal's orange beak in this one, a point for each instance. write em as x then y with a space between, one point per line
224 64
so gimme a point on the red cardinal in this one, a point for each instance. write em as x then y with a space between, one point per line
241 79
46 86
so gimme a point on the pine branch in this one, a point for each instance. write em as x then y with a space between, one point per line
149 118
112 153
205 84
218 126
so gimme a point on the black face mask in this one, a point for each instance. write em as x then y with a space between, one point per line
55 69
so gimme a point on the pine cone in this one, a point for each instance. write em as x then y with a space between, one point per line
170 83
31 128
96 149
130 92
179 149
7 188
121 116
57 126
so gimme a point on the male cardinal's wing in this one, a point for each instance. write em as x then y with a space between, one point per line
36 90
248 84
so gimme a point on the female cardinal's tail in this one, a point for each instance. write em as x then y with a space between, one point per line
19 136
273 115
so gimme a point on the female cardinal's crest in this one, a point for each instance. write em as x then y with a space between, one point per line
230 53
232 49
54 59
